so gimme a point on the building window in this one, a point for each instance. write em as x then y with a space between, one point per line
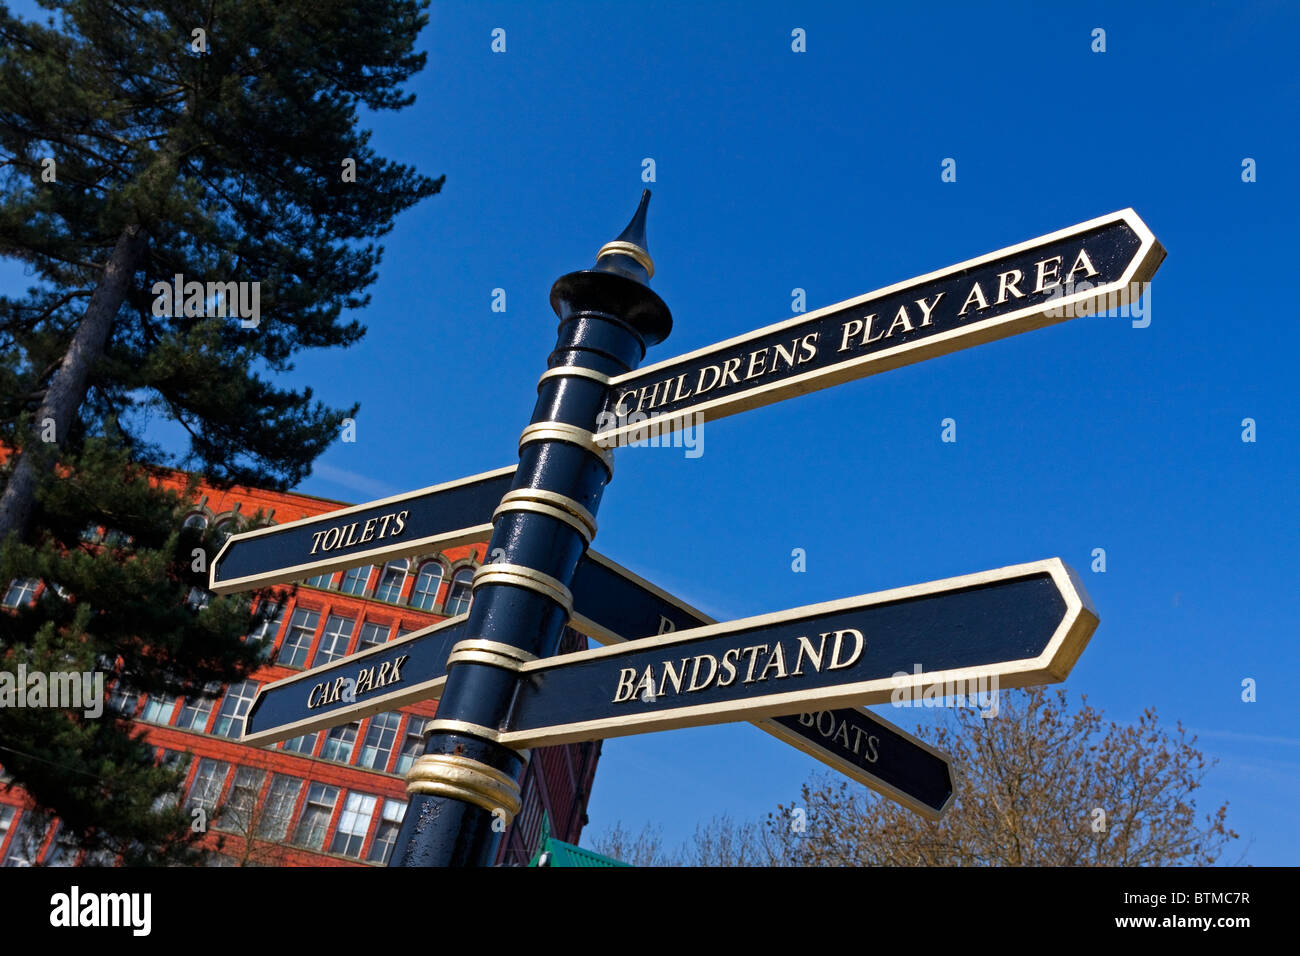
402 632
412 743
354 823
233 708
425 593
301 745
197 708
316 813
380 737
209 781
25 845
198 599
354 581
196 521
321 580
7 814
334 642
390 823
297 641
158 709
372 635
277 810
63 848
391 581
240 808
172 760
21 591
458 600
269 618
340 742
123 699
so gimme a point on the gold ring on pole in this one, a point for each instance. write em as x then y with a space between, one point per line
450 775
483 651
573 435
572 371
563 502
631 250
524 577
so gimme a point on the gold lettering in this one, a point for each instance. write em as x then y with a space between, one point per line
805 646
381 678
368 531
365 680
927 307
383 528
315 540
753 659
670 673
1081 263
851 328
859 644
328 544
729 371
677 392
399 523
900 319
647 681
782 353
1004 286
397 669
753 357
624 689
700 387
976 295
729 665
843 731
1044 275
808 344
352 529
776 660
321 689
696 683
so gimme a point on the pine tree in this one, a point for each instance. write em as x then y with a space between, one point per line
216 141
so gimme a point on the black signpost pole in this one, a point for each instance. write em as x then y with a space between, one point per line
464 789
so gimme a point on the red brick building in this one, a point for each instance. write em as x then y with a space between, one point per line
335 797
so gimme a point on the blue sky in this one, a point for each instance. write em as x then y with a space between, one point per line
820 170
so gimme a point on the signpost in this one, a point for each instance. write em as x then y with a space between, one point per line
800 674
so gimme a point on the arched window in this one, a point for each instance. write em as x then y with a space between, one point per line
461 594
197 521
225 528
391 581
425 593
354 581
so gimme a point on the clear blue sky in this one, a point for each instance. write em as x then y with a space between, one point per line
821 170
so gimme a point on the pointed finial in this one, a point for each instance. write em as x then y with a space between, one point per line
627 254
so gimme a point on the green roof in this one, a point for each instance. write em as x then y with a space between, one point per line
552 852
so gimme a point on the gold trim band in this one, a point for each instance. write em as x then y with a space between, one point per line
573 435
524 577
563 502
631 250
461 727
449 775
483 651
572 371
537 507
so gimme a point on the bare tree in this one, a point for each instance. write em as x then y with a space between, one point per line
1040 785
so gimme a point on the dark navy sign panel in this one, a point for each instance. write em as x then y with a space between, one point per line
443 516
1027 624
612 604
1013 290
401 672
858 742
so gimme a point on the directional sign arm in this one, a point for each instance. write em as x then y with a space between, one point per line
1023 625
442 516
1094 266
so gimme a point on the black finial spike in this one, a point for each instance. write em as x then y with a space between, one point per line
628 254
635 231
